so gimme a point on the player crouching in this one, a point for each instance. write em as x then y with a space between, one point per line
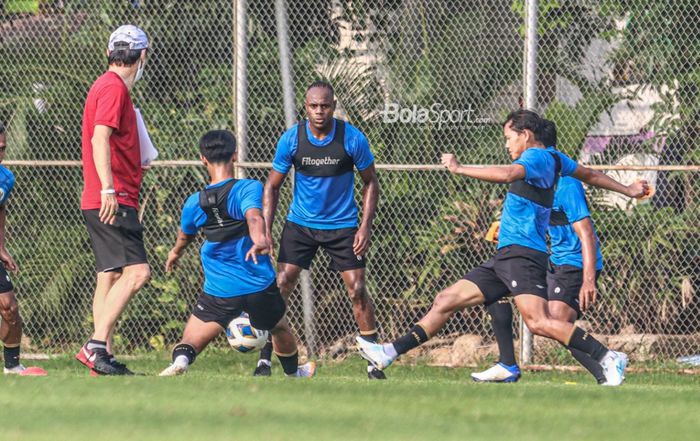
238 276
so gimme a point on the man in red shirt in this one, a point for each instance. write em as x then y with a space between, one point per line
112 180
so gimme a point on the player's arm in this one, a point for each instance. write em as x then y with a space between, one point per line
500 174
102 156
584 230
181 243
370 199
599 179
256 229
5 257
271 197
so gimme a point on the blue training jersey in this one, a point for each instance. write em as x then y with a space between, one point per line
324 202
524 222
566 246
226 273
7 182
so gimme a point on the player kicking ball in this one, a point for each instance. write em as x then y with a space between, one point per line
11 325
238 276
519 267
574 266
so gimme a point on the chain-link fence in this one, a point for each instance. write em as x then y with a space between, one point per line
418 78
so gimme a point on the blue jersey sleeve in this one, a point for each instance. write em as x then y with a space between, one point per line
568 165
535 165
286 147
192 215
573 202
246 194
7 182
357 147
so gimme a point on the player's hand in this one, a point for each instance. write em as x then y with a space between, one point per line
108 209
587 296
449 161
7 261
638 189
145 169
173 257
255 250
362 239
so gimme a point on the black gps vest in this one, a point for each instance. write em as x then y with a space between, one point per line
220 226
558 218
331 160
540 196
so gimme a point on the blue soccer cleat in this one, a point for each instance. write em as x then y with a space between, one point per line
614 364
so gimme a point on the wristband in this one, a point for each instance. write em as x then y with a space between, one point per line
108 191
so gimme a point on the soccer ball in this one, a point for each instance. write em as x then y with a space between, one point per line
243 337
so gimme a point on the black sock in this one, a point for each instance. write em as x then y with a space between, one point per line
266 351
590 364
502 324
414 338
11 357
186 350
289 363
585 343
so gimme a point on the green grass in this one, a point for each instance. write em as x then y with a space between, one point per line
219 400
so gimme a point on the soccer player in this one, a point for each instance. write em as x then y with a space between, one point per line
323 151
112 181
238 275
574 266
519 266
11 324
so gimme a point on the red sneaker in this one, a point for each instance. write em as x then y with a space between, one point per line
86 357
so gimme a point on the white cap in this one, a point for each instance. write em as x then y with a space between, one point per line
129 34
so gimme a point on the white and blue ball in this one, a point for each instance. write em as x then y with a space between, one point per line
243 337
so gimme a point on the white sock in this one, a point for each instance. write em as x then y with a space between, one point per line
267 363
181 361
390 350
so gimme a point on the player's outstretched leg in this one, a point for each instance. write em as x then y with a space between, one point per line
11 334
196 337
507 369
536 315
458 296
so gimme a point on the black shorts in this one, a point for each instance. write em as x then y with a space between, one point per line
299 244
5 282
119 245
564 284
513 270
265 308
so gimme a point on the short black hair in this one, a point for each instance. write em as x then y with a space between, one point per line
123 56
546 133
2 128
523 119
323 85
218 146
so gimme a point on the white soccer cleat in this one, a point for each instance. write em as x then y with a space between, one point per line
24 371
499 373
374 353
306 370
614 364
173 370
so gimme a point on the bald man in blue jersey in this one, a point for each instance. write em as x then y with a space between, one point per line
324 151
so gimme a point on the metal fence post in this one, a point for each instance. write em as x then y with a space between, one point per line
530 92
290 118
241 90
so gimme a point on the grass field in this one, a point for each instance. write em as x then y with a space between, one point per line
219 400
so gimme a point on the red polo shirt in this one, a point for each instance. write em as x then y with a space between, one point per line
108 103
